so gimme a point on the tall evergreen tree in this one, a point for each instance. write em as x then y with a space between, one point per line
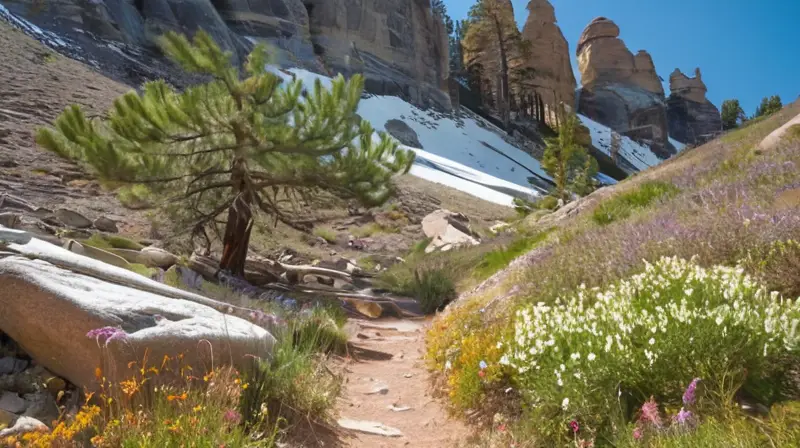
732 114
493 41
567 162
235 145
440 9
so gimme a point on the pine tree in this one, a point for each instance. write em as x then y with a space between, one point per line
235 145
567 162
732 114
768 106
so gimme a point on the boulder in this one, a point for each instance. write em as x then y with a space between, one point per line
157 258
693 119
447 230
403 133
106 225
72 218
11 402
54 314
549 57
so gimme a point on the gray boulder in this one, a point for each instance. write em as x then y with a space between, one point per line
403 133
72 322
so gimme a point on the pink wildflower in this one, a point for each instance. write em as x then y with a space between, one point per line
575 426
650 413
637 433
233 417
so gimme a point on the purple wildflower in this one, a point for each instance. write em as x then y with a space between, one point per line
689 395
683 417
650 413
106 334
232 417
575 426
482 365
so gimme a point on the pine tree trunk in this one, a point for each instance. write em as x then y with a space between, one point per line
237 230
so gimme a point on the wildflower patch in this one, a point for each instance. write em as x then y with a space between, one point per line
596 353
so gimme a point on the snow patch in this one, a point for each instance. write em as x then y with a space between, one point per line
464 154
637 154
678 145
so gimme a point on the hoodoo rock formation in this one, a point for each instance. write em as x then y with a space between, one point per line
692 117
399 45
552 76
620 90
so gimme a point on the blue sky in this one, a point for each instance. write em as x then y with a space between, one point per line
745 49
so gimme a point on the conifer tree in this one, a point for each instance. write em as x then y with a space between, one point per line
236 146
493 44
567 162
732 114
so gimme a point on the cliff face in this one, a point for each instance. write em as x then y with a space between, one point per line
398 45
692 117
552 76
620 90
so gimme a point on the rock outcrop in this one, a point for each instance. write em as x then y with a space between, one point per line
448 230
552 77
621 90
399 45
693 119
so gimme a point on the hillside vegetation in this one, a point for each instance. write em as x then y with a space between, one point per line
659 312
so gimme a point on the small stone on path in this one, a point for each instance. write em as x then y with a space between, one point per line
396 408
380 389
368 427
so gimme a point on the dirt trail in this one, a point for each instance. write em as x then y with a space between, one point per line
390 372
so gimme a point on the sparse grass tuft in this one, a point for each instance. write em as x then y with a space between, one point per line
326 234
624 205
500 258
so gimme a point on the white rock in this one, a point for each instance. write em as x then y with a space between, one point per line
24 425
157 258
447 230
368 427
49 310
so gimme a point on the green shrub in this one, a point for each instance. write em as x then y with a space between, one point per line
432 289
294 385
419 247
624 205
319 329
595 354
547 203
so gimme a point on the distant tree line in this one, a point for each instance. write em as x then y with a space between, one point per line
733 115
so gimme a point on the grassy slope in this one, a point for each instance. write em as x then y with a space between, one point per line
731 206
